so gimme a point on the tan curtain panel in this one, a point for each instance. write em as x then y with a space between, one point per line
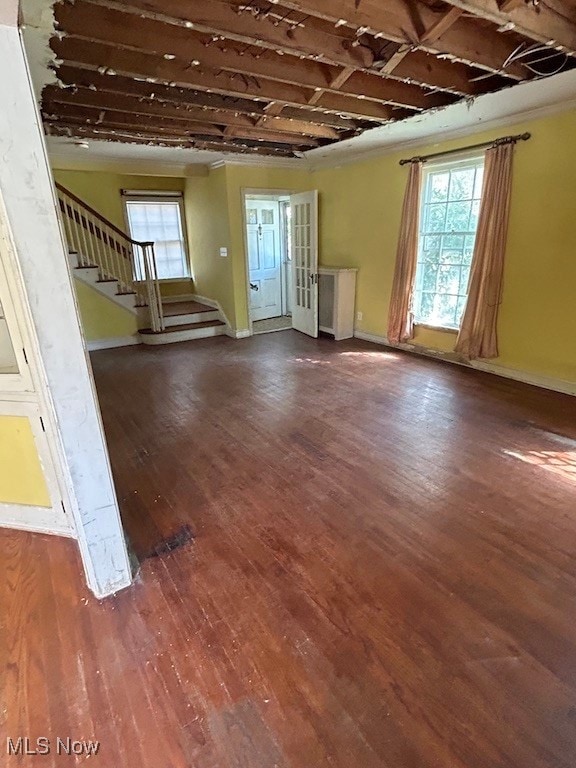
477 337
400 318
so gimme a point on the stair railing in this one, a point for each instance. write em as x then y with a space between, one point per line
100 243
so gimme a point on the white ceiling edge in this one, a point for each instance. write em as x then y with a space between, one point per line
37 28
525 101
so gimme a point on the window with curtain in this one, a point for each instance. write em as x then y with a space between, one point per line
159 219
451 194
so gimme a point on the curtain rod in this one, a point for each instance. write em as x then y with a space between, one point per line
482 145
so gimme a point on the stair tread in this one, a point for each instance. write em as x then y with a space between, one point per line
87 266
185 327
107 280
174 308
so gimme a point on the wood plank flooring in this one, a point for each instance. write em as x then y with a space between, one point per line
378 569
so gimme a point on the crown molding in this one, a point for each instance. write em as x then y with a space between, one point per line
262 162
131 167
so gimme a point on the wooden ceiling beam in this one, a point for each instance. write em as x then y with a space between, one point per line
100 117
89 133
393 20
84 97
222 18
89 22
441 26
438 28
536 21
188 97
127 63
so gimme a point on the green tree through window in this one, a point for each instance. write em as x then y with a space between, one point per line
451 196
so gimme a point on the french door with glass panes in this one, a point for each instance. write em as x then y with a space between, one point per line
304 246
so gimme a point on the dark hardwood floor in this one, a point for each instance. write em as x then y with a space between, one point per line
376 569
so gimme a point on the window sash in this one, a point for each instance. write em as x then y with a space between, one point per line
434 304
168 235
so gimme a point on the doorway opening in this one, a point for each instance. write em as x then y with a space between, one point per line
268 260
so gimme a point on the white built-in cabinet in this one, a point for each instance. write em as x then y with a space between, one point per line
336 300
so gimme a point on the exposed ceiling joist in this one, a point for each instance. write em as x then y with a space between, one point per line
287 75
538 21
187 97
112 118
111 26
84 97
394 20
223 18
106 58
72 131
441 26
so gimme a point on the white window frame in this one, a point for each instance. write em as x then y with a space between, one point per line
160 196
431 168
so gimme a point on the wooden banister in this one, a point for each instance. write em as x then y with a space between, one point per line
98 242
98 216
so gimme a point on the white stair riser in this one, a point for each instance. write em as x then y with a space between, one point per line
108 289
90 276
196 317
185 335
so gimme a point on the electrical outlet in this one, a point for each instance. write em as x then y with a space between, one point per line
359 316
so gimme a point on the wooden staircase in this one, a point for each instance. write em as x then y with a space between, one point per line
183 320
124 270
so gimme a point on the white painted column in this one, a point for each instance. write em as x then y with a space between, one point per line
26 188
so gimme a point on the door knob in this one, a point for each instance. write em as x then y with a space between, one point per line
254 287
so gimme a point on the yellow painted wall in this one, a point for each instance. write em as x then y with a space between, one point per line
361 206
215 219
102 190
239 178
21 476
207 219
101 317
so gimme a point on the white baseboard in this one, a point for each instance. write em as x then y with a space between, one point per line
244 333
35 519
545 382
216 305
119 341
205 300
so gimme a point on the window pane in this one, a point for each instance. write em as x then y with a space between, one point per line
430 273
439 187
457 217
449 218
158 221
436 215
462 184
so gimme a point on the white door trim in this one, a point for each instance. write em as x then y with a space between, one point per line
305 262
260 194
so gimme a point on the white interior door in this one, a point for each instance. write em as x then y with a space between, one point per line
304 245
264 258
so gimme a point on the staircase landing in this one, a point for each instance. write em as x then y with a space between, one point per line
190 307
185 320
